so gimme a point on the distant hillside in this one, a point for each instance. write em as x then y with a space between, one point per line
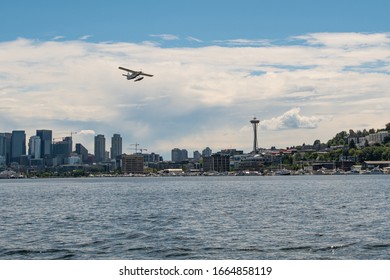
341 138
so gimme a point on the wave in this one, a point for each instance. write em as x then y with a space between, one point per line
37 254
378 246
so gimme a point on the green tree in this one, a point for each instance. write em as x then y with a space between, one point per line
358 155
335 154
386 154
352 144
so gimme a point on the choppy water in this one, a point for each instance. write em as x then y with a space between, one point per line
292 217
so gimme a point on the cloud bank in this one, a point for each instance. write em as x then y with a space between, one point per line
199 97
291 120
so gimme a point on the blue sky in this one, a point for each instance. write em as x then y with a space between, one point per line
306 69
135 21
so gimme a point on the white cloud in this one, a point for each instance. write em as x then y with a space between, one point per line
346 39
165 37
244 42
291 120
58 38
85 37
198 97
193 39
86 132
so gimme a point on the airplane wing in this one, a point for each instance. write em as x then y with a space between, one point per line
144 74
128 70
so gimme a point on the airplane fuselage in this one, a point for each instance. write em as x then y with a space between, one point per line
132 76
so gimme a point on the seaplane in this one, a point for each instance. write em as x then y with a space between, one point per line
136 75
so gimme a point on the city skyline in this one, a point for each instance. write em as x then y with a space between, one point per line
42 147
305 70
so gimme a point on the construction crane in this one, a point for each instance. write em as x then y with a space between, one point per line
63 132
136 148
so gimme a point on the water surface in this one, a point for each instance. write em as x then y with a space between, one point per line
283 217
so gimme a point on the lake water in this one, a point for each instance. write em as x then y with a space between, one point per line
281 217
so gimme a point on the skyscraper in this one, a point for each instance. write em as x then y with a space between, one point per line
178 155
18 145
34 147
100 148
81 150
116 145
63 148
5 147
207 152
46 143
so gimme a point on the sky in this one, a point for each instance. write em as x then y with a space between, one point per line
306 69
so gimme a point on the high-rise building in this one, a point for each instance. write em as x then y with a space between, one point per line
82 151
18 145
34 147
46 143
116 146
62 149
5 147
178 155
152 157
207 152
184 154
197 155
100 148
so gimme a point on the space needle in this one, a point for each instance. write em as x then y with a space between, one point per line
255 123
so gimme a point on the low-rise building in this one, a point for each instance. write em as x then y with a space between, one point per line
132 163
216 162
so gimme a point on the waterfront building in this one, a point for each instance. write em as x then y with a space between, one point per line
100 148
133 163
251 163
116 146
216 162
18 145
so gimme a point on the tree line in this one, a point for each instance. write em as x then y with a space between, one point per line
350 151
